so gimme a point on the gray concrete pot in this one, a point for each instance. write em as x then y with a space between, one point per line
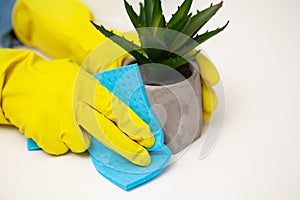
178 108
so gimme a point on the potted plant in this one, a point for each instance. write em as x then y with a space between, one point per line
166 56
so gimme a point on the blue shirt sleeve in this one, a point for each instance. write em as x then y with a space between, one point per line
7 36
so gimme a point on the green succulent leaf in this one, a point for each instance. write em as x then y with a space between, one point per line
142 14
200 19
171 43
180 38
180 15
149 6
191 44
127 45
158 19
135 19
154 47
178 61
208 34
181 24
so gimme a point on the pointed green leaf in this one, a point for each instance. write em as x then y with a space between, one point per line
154 47
181 24
142 14
180 38
200 19
208 34
178 61
191 44
158 19
180 14
136 21
128 46
149 6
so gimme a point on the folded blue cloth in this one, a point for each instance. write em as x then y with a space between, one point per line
126 84
122 172
31 145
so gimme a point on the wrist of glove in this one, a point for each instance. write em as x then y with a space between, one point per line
58 104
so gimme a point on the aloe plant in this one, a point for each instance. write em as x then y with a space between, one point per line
169 43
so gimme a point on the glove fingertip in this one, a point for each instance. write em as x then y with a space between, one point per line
142 159
147 142
207 116
208 70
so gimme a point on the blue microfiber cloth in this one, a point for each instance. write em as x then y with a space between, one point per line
31 145
122 172
126 84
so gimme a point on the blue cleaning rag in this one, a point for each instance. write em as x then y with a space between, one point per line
126 84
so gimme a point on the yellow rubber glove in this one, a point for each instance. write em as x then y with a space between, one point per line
209 100
59 28
56 103
209 72
209 78
62 29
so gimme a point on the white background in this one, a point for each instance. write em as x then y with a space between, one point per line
257 156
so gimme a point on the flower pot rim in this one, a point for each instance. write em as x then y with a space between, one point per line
193 66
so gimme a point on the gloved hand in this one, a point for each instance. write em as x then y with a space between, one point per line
58 104
62 29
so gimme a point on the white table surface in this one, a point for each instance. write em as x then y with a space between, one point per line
257 156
